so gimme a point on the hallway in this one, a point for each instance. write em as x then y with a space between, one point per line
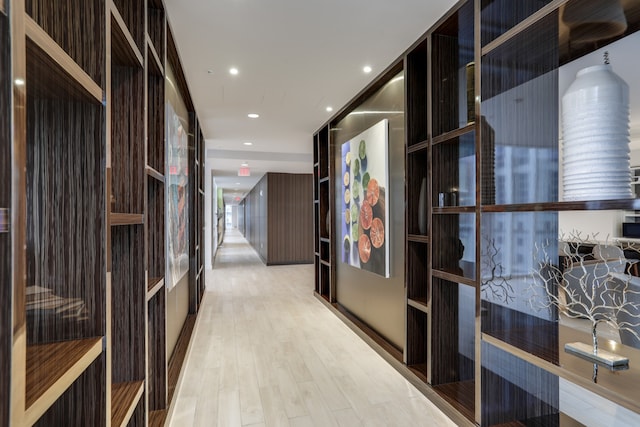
266 352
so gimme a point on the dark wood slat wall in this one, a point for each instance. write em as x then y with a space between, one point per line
157 357
84 403
132 12
5 205
290 218
127 140
78 26
65 213
155 121
192 197
156 28
279 218
128 299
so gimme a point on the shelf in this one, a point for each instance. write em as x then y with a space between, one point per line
52 368
58 75
153 60
417 238
324 179
418 147
326 240
448 136
418 305
327 263
201 192
155 284
117 219
461 395
124 50
154 173
157 418
453 209
453 277
419 370
124 398
630 204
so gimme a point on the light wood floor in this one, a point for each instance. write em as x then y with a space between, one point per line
265 352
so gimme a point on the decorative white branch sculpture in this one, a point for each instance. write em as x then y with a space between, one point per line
592 286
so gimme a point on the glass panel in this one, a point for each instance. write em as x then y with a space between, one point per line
520 118
454 165
514 390
499 16
508 262
454 244
453 54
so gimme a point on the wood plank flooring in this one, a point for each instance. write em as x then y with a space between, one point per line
266 352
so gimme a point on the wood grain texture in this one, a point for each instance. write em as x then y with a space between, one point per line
124 50
417 167
179 353
157 418
444 333
66 214
52 73
173 58
193 212
124 400
132 13
52 368
460 395
155 229
157 353
128 299
256 206
290 218
78 26
416 74
6 337
155 122
416 345
118 219
127 140
155 285
156 29
417 264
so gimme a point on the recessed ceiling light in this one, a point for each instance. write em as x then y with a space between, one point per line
237 183
248 143
244 164
233 71
329 109
367 69
19 82
253 115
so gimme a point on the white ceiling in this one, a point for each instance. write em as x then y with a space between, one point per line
295 58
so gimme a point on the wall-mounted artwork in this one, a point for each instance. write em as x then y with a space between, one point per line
364 207
177 179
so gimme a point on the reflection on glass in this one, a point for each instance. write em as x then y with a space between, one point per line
508 260
510 384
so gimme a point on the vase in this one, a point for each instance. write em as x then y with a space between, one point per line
595 128
422 208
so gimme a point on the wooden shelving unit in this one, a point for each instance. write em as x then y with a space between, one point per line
6 291
82 209
324 223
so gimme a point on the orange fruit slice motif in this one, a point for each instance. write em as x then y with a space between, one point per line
373 192
377 233
364 248
366 215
